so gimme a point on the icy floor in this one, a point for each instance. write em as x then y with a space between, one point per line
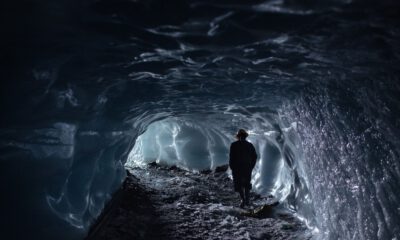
204 206
169 203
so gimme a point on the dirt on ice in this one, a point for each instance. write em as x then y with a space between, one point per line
169 203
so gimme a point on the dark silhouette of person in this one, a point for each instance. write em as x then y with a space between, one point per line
242 159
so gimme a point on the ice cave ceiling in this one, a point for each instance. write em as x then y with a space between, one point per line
316 84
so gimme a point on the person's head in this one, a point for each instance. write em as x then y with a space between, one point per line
242 134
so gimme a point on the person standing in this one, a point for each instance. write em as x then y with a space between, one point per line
242 159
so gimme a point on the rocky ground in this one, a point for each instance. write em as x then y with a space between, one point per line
169 203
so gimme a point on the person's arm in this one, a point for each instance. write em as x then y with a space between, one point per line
231 158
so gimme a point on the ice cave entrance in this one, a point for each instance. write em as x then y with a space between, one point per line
185 144
196 146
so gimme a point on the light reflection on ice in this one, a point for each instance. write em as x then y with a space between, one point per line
196 146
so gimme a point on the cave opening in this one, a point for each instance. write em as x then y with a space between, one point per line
197 144
179 165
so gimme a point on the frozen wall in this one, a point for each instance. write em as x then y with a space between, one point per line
181 143
350 160
204 145
58 179
316 83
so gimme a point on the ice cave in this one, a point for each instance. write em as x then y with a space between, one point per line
97 92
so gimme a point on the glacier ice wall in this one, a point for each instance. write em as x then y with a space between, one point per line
315 82
204 145
58 179
180 143
350 159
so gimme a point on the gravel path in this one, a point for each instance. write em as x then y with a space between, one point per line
169 203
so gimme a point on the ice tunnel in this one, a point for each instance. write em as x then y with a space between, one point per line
92 88
203 144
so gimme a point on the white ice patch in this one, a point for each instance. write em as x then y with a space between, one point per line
180 143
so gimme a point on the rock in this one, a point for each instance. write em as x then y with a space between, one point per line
207 171
222 168
152 164
265 211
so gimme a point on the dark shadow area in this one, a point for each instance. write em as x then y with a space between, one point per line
129 215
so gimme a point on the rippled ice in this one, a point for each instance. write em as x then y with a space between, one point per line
317 80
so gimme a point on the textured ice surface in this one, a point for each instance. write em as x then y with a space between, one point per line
64 178
316 84
181 143
195 146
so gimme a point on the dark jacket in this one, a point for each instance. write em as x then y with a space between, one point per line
242 157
